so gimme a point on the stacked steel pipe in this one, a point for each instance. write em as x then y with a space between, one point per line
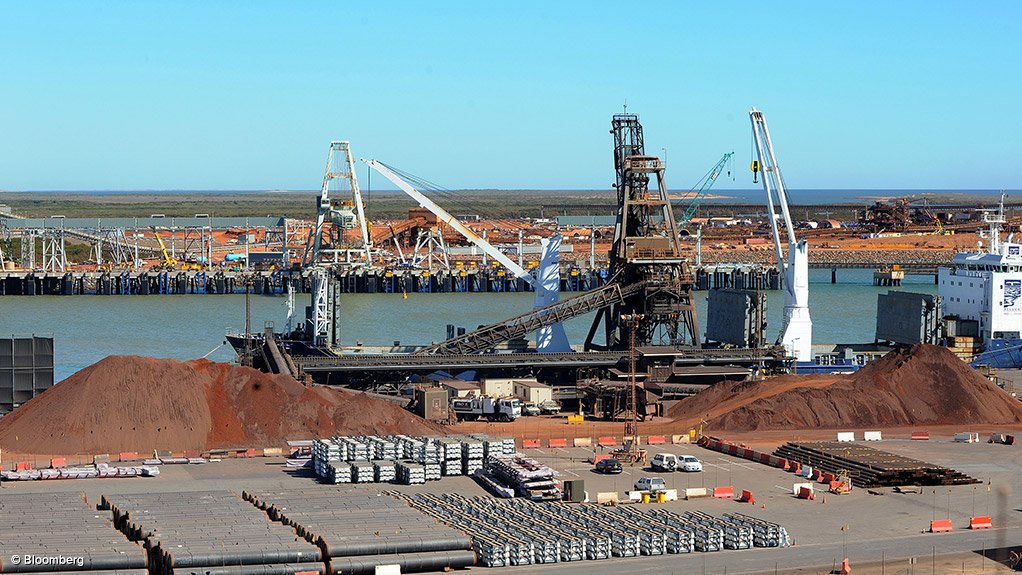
59 532
212 532
358 531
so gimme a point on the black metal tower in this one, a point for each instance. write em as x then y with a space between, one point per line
646 251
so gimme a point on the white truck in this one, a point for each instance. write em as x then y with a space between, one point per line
490 408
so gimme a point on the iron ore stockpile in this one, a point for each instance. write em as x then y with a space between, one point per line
521 532
402 458
921 385
141 404
358 531
210 533
869 467
51 532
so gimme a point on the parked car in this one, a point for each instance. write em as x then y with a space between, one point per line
689 463
651 484
530 409
550 407
664 462
608 466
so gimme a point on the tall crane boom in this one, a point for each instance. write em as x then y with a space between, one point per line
704 186
797 330
550 336
446 217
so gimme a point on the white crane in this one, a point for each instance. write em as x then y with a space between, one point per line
797 330
343 213
548 286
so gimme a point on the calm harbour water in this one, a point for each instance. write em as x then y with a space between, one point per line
89 328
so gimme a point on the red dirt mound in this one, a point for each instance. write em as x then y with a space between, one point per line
924 384
128 403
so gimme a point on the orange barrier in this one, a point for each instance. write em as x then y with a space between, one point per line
747 497
598 458
980 522
23 466
57 462
606 441
724 492
557 443
828 478
806 493
251 453
940 526
191 453
796 467
920 435
530 443
128 456
846 567
656 440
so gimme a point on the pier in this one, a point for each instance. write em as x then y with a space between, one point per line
370 281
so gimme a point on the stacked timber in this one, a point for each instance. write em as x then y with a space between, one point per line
210 532
869 467
356 531
51 532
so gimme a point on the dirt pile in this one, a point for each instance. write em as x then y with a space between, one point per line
924 384
128 403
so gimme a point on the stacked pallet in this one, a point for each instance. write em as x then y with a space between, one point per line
472 453
410 473
520 532
385 471
356 532
450 455
59 532
524 475
869 467
764 533
212 532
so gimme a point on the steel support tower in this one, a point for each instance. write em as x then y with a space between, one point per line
646 251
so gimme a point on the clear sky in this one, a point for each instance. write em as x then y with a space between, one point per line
247 95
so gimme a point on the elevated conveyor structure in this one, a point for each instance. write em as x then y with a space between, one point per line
488 337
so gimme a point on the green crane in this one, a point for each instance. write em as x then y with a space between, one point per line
704 185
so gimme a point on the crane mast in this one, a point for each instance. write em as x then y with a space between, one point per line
704 186
340 213
797 329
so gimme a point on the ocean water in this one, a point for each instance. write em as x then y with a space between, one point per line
89 328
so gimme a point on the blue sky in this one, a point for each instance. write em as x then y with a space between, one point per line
247 95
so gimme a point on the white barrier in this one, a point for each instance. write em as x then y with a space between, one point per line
695 492
796 486
872 436
845 436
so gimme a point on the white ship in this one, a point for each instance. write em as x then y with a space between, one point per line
982 297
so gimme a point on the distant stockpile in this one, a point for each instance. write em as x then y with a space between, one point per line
130 403
924 384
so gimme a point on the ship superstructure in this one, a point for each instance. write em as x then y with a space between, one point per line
982 297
